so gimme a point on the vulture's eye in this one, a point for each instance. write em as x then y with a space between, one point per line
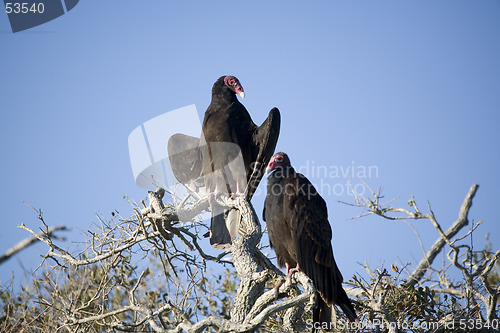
279 159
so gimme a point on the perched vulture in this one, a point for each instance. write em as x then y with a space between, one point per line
299 232
231 156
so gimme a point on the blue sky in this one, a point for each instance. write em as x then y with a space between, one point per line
411 88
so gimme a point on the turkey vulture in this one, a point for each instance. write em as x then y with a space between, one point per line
299 232
231 156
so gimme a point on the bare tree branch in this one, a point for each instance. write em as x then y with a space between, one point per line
159 225
29 241
436 248
173 293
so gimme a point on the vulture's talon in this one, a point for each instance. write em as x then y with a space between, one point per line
277 287
291 272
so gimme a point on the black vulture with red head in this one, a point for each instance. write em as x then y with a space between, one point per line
299 232
232 154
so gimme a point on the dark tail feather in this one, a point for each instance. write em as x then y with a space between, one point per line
322 315
219 234
345 304
224 227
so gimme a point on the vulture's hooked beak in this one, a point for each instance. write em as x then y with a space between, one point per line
270 167
242 94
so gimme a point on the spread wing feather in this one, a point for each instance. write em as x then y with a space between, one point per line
185 159
264 138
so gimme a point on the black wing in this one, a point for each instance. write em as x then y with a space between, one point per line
185 159
307 214
281 234
264 139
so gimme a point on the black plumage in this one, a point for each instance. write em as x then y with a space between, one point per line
232 155
185 159
299 232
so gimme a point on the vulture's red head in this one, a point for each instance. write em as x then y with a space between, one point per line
234 84
279 160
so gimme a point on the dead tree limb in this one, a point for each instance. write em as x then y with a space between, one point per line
29 241
159 225
438 245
